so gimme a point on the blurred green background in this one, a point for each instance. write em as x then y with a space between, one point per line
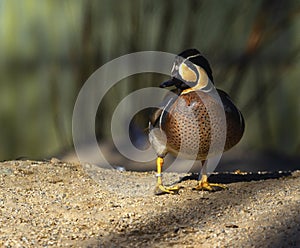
49 48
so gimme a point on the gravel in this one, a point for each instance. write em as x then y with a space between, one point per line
57 204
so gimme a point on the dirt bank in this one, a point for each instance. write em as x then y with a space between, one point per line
56 204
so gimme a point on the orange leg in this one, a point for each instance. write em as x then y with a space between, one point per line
160 188
203 184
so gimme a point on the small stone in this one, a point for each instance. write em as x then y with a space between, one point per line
230 225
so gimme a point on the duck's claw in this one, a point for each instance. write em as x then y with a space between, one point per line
210 186
160 190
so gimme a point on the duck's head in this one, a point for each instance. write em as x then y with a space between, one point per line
190 71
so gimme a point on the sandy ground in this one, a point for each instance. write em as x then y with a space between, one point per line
57 204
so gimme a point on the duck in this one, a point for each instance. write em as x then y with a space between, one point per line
196 121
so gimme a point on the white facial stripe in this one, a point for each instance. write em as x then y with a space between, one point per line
173 67
193 56
189 57
181 69
203 78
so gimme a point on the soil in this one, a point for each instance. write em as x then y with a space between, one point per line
58 204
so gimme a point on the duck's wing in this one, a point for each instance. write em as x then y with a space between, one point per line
234 118
229 106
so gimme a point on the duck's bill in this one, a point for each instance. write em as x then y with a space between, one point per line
168 83
174 82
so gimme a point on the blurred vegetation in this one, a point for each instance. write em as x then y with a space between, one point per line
49 49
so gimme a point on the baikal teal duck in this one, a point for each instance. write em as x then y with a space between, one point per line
188 121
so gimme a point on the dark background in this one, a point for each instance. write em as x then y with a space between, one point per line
49 49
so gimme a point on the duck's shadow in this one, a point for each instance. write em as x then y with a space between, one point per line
233 177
